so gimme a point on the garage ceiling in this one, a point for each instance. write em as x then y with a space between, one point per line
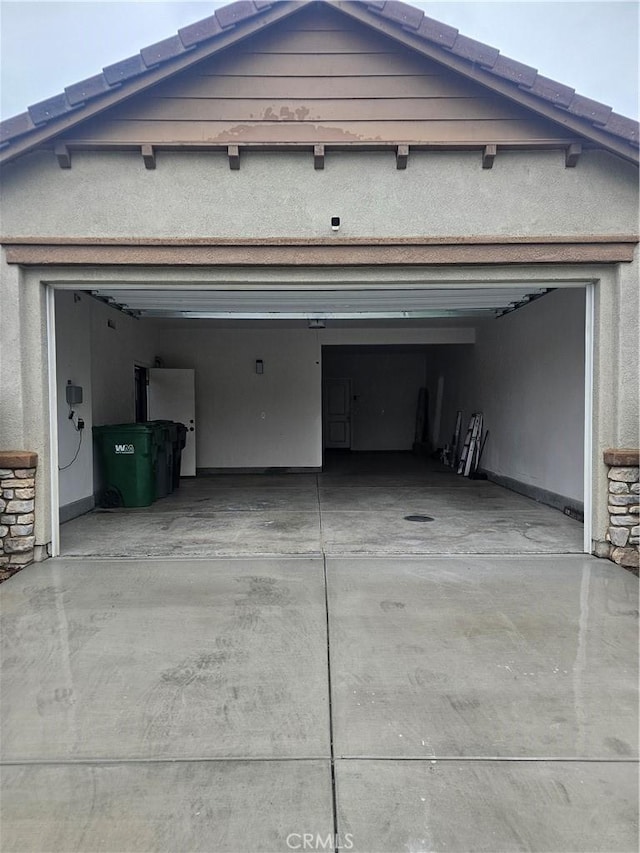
320 304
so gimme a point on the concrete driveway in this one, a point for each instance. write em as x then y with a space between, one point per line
415 703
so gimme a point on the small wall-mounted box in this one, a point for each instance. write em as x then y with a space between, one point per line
74 394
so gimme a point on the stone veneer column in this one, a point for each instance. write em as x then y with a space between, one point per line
624 506
17 502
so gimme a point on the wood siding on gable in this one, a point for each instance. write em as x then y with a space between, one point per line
317 77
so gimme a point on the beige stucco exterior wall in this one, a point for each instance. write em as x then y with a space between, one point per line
24 388
280 195
628 363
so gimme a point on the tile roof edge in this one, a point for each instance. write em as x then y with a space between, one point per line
527 78
113 76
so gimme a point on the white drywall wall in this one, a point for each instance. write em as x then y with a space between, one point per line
101 359
231 399
73 362
385 386
246 420
98 346
118 342
526 374
404 335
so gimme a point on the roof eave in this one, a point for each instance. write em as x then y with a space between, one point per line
33 138
399 21
579 126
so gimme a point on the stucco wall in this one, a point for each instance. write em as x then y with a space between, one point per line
24 390
440 193
628 335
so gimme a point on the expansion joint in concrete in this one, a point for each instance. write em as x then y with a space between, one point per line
334 803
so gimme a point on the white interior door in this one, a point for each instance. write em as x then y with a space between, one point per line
337 413
172 397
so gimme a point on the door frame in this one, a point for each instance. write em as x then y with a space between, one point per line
189 451
137 365
589 376
325 414
52 373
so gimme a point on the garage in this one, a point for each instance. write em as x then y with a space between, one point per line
294 204
387 279
305 432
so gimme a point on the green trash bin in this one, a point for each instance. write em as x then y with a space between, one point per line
164 431
127 455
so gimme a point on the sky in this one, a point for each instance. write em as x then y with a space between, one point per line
46 45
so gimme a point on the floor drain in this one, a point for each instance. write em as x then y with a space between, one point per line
418 518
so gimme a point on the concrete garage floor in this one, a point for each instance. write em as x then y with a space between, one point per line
414 703
357 506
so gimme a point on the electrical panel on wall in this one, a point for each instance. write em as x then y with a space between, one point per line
74 394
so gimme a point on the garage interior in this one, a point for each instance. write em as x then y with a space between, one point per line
271 476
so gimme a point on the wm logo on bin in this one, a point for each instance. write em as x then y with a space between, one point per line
124 448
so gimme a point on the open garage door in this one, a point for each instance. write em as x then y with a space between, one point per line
323 304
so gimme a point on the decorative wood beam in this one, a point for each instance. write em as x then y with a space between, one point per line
149 156
80 144
367 251
233 152
488 156
318 157
572 154
446 240
63 155
402 156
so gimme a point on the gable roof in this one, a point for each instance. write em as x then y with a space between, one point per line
485 64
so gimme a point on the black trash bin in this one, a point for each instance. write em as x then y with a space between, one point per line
164 467
173 451
178 447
